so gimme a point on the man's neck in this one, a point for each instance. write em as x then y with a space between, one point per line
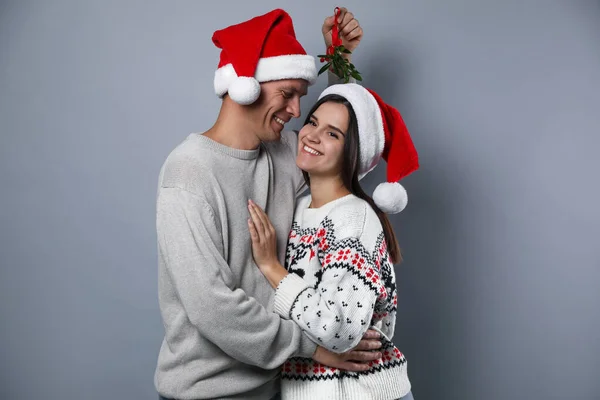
326 189
234 128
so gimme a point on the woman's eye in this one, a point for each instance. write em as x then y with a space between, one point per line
313 123
333 134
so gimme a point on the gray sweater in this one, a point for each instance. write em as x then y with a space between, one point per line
222 338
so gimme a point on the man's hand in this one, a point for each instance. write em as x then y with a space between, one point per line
355 360
350 31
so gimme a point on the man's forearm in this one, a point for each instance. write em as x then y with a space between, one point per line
235 322
333 79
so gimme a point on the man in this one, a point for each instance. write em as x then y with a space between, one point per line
222 339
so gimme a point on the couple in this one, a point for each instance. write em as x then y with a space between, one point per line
225 206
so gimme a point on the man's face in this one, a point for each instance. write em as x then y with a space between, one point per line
279 102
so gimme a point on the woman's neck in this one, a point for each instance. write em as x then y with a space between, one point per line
326 189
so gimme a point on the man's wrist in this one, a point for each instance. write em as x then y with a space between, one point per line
317 353
316 350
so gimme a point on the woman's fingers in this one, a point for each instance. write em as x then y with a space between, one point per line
264 219
258 225
252 229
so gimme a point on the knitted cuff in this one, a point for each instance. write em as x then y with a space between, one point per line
333 79
307 347
286 293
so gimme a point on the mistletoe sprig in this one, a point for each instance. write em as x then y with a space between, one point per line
335 60
338 64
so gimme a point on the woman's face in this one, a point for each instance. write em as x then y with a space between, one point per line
321 141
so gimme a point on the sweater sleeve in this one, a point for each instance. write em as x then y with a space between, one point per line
333 79
190 243
337 311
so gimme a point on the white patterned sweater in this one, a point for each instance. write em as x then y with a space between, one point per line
341 283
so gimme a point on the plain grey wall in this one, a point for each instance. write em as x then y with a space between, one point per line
500 285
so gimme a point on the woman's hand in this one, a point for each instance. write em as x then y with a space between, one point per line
264 245
264 239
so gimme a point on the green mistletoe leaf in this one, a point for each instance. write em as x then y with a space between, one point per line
324 68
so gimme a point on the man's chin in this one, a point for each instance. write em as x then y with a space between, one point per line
276 130
271 136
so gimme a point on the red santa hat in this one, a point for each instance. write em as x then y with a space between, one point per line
382 134
261 49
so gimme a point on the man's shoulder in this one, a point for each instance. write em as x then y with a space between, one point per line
290 138
283 153
288 144
187 164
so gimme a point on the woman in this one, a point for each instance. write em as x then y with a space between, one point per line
339 280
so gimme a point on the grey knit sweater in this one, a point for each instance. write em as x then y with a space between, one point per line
222 338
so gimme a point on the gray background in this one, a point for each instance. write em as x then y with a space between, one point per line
500 285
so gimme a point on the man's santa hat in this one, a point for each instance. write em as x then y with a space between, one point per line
382 134
261 49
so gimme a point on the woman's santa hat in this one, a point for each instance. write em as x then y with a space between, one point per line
382 134
261 49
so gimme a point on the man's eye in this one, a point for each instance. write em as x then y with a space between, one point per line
286 95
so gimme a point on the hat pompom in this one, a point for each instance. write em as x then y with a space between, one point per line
244 90
390 197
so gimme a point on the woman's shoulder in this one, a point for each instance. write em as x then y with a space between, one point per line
353 217
349 206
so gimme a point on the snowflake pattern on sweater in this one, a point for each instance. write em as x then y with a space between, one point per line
341 283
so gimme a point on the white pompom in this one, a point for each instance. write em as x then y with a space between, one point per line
390 197
244 90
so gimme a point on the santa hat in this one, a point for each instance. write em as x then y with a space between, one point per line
382 134
261 49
